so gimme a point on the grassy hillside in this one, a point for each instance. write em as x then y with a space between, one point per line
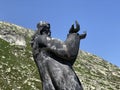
18 70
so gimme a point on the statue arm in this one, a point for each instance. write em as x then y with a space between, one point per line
59 48
55 46
67 49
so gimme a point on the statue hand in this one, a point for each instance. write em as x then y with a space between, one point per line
74 30
82 36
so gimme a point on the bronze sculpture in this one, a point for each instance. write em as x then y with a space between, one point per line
55 58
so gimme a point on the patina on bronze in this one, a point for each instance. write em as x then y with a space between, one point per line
55 58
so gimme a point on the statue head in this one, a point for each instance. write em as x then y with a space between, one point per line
44 28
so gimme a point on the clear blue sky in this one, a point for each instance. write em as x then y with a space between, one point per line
100 18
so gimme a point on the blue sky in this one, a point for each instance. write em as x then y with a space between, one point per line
100 18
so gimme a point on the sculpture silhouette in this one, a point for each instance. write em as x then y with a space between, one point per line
54 58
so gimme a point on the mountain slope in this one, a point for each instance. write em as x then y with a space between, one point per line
18 70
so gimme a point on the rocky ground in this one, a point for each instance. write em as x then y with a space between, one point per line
18 70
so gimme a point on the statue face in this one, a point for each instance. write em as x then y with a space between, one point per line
44 28
46 31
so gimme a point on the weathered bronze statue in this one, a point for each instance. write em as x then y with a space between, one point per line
55 58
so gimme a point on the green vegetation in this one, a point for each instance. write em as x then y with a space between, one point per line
17 70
